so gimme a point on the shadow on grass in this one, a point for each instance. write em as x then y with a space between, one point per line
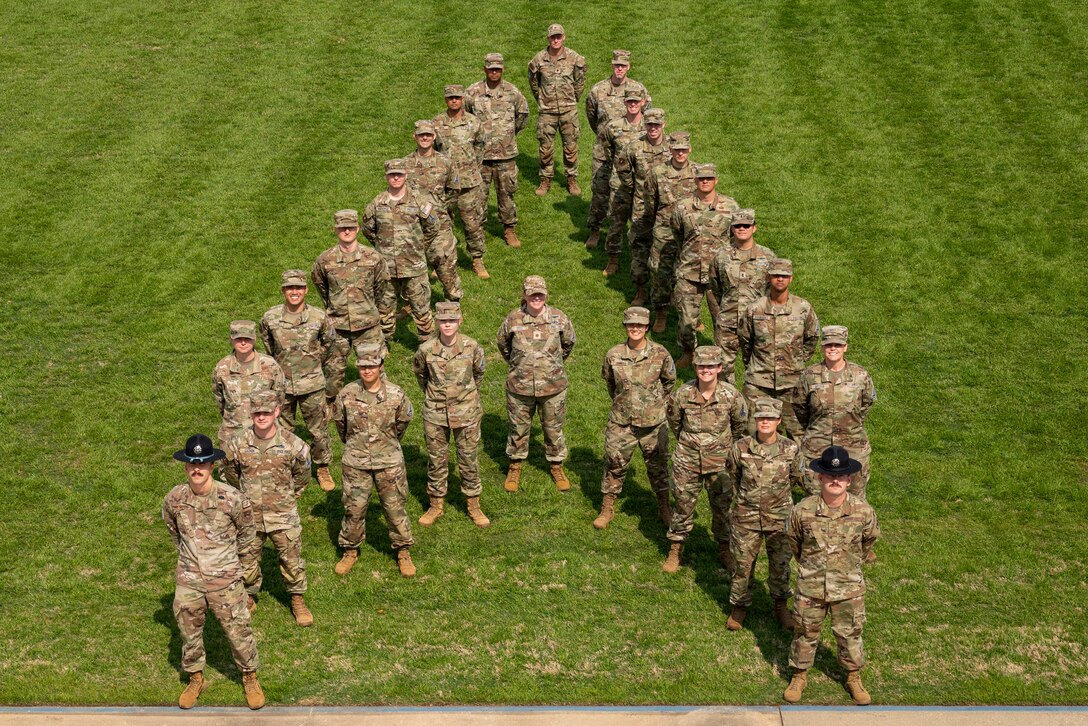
272 584
217 649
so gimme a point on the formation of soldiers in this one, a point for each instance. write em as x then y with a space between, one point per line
791 426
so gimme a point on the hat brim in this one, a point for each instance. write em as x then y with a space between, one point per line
216 455
853 467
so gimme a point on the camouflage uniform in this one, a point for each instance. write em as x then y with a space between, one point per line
431 173
705 430
504 112
234 382
557 84
216 541
665 186
464 139
830 546
640 158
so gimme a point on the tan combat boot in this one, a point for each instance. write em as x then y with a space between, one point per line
404 312
608 511
513 477
545 185
783 615
672 562
511 237
593 239
479 269
572 187
254 693
612 267
796 687
664 512
736 618
324 479
251 603
303 617
404 562
562 483
346 562
476 514
661 319
640 296
857 691
870 557
197 685
433 512
684 361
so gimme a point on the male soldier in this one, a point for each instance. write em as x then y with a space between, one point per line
700 226
738 277
830 534
462 136
667 184
211 525
534 340
639 159
371 415
353 283
764 466
241 374
604 103
302 340
706 416
640 376
402 223
557 77
449 368
777 337
615 136
504 112
271 466
432 172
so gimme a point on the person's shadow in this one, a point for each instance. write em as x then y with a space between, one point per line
217 650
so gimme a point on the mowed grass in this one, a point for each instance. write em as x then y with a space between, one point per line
922 163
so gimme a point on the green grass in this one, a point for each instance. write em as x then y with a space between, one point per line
922 163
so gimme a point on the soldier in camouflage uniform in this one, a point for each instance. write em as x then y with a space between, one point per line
605 103
534 340
301 339
777 337
738 277
706 416
449 368
700 226
765 466
830 534
401 223
667 184
241 374
831 402
371 416
639 160
614 137
640 376
462 136
211 526
557 77
504 112
271 466
432 172
353 283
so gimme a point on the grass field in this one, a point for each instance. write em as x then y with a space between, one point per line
923 163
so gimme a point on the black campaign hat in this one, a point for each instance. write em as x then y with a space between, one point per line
199 450
835 460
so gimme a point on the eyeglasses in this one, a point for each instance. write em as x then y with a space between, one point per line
742 226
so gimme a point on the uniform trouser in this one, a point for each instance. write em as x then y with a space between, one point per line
619 211
686 485
847 621
601 191
468 202
417 292
726 339
553 412
789 424
504 173
392 486
467 441
619 444
567 124
687 296
858 482
746 535
442 257
662 265
641 235
288 544
316 416
337 363
229 605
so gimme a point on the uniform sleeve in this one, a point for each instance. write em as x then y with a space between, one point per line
385 299
217 391
265 331
521 114
676 221
502 340
249 547
340 416
717 285
870 533
170 521
797 469
591 111
812 333
534 80
738 417
579 77
420 368
732 465
479 142
320 281
478 364
745 335
868 396
668 374
428 219
279 381
231 468
794 533
799 399
674 412
606 138
608 375
404 416
300 469
566 337
369 226
627 169
326 338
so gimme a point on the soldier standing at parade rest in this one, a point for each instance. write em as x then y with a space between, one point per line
639 160
353 283
706 416
830 534
241 374
640 375
271 466
557 77
449 368
615 136
301 339
667 184
504 112
211 526
534 340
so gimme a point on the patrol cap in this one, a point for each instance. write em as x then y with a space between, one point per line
679 140
706 171
424 126
396 166
455 90
534 284
264 402
654 116
707 355
447 311
345 218
767 407
556 29
744 216
837 334
293 278
634 94
621 57
199 450
494 60
835 460
243 329
780 266
636 315
370 354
